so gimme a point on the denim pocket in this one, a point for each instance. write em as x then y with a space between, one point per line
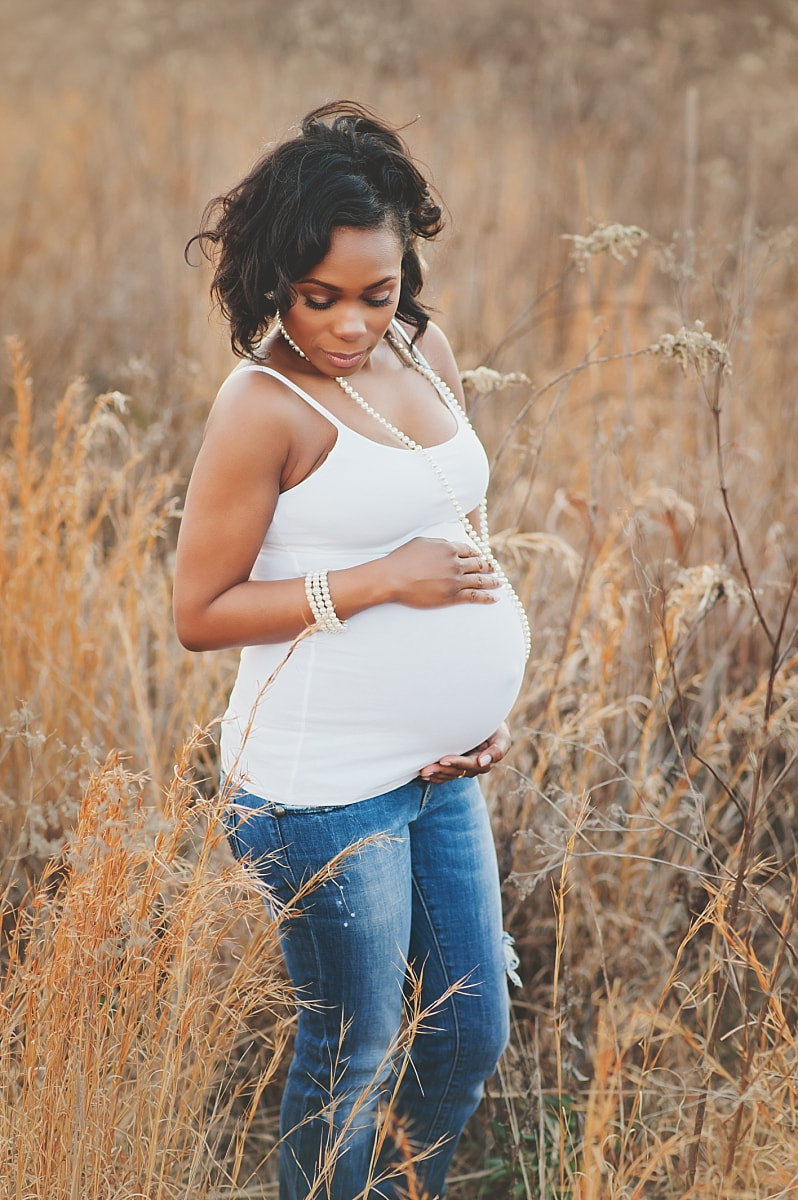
252 826
230 822
240 811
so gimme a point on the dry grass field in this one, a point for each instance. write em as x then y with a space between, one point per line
621 179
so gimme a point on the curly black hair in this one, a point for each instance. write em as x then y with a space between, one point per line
345 168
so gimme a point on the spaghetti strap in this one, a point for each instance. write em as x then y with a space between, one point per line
248 365
408 341
434 378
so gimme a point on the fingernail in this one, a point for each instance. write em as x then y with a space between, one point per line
484 759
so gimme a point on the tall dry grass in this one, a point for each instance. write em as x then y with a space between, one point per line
89 662
646 818
129 1000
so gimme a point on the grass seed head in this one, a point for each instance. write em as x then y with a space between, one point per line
484 379
621 241
695 348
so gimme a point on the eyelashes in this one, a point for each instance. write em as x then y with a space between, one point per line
319 306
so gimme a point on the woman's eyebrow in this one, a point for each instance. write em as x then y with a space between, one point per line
330 287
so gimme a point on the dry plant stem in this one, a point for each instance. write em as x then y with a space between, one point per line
407 1157
784 948
514 330
715 408
753 1038
750 822
531 470
585 564
761 756
576 595
750 825
515 1131
559 892
652 1054
568 375
691 744
689 203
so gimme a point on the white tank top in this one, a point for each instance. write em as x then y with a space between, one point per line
352 715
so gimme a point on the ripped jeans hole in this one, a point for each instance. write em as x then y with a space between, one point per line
511 960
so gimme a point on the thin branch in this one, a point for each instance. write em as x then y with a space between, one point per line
715 409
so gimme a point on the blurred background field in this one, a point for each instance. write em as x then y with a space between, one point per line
646 820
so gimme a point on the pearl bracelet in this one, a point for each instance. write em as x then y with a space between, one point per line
317 591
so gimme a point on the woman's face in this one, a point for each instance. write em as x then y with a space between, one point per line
345 304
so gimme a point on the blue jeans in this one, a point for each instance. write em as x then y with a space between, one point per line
426 894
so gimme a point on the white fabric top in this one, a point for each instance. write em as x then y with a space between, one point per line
352 715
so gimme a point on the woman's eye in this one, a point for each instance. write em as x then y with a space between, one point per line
373 302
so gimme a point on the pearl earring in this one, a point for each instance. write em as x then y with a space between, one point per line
287 335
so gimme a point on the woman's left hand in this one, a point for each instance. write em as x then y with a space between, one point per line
476 762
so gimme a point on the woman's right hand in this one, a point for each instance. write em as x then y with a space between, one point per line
432 572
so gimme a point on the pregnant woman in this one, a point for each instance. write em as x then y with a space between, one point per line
340 490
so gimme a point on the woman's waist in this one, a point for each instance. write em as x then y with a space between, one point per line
278 560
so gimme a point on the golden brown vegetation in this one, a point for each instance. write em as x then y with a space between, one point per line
644 499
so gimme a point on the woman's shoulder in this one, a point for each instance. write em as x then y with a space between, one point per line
258 384
252 402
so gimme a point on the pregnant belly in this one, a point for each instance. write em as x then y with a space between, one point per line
444 678
352 715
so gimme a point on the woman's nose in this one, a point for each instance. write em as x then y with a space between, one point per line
349 323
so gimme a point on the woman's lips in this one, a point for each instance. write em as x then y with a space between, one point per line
343 362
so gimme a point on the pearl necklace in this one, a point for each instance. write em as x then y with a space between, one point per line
481 539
